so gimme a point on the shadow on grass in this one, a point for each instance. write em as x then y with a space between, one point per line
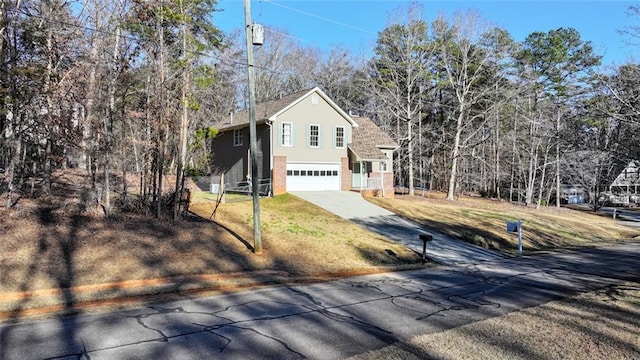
257 322
235 234
67 239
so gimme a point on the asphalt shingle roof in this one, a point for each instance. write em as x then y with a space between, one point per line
368 138
263 111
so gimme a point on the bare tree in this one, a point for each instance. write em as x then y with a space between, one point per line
400 74
470 53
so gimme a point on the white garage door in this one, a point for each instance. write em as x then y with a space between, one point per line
313 177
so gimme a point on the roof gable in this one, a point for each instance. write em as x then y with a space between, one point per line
630 176
270 110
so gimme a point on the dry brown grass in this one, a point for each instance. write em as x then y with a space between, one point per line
319 241
52 243
482 221
597 325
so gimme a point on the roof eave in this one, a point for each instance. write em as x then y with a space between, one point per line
240 126
323 96
359 158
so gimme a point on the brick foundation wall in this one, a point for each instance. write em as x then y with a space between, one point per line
279 176
346 175
387 183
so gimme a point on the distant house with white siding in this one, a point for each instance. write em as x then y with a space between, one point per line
625 189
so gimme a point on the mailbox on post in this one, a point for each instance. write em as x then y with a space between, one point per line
425 239
516 226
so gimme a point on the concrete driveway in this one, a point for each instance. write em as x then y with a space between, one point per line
443 249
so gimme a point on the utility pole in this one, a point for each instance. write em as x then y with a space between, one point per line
257 237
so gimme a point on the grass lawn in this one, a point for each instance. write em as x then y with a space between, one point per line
301 238
52 251
53 242
50 243
483 222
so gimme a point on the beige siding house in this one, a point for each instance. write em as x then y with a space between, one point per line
306 143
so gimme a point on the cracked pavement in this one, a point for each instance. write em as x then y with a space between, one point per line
329 320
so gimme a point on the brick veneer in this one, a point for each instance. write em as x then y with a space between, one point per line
279 176
346 175
387 183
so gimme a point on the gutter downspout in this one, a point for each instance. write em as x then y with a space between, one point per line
269 123
381 179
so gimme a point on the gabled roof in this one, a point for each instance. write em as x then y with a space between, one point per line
368 139
270 110
630 176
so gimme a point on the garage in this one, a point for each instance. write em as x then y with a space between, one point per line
313 177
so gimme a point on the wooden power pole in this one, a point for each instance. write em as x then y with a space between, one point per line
257 237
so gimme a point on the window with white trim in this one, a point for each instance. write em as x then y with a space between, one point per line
287 134
237 137
339 139
314 136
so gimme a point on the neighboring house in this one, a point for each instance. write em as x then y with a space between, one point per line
625 189
306 143
573 194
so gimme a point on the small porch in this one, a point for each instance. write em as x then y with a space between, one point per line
362 178
371 160
371 177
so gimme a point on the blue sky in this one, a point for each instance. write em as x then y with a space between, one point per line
354 24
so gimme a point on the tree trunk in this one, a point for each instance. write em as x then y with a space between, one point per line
558 159
533 166
109 121
455 154
410 158
496 154
542 177
513 154
161 126
11 171
184 124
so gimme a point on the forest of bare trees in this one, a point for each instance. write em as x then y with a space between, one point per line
129 87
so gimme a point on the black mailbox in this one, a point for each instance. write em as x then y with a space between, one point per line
425 239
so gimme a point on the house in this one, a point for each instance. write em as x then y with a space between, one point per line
306 143
625 189
573 194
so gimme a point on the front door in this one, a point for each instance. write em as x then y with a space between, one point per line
356 181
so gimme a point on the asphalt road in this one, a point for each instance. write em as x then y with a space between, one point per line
323 321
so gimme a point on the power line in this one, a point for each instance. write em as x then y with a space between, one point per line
268 29
105 33
321 17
